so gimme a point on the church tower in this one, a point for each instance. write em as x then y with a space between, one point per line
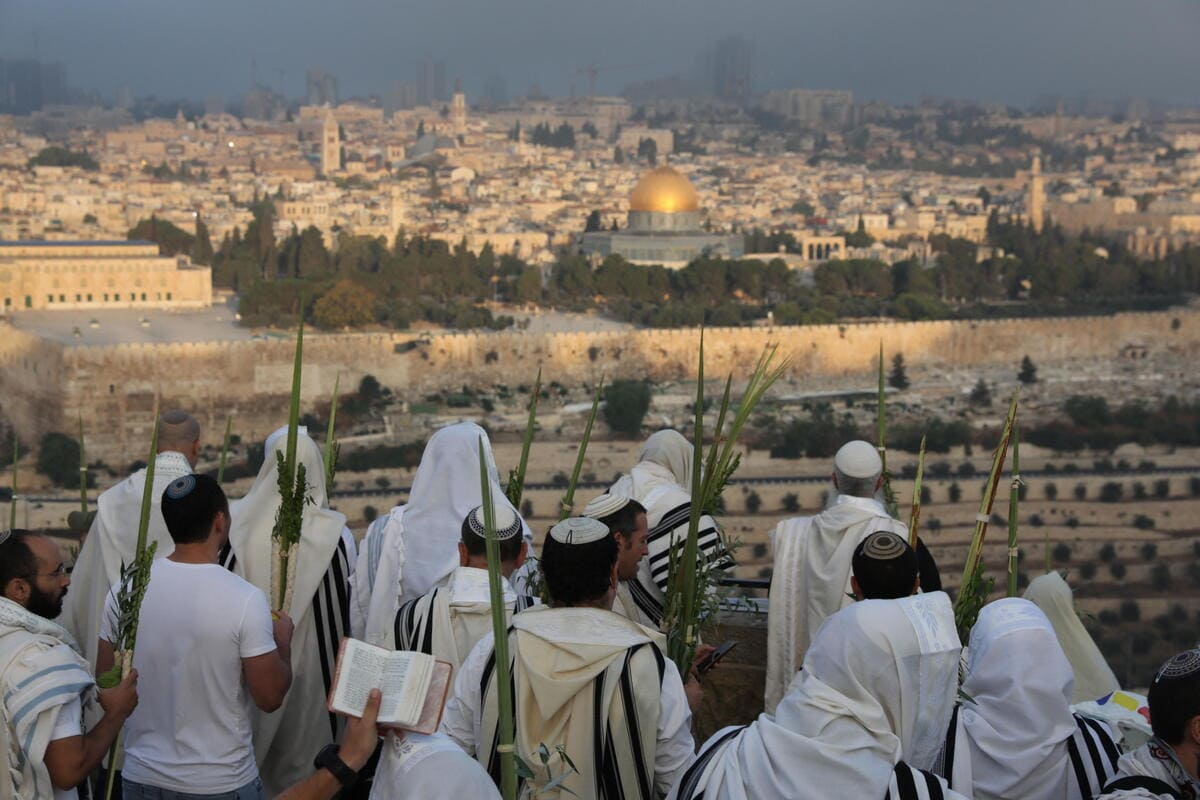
1035 201
458 110
331 146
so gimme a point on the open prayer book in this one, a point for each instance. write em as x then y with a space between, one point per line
414 685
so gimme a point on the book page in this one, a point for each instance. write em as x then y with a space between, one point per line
403 677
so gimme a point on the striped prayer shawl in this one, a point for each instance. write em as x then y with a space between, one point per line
331 614
1092 752
416 625
40 671
624 709
668 533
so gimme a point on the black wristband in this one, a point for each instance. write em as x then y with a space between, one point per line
329 759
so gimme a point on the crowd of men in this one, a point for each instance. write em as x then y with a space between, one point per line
869 691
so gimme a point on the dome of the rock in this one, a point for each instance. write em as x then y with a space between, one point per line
664 190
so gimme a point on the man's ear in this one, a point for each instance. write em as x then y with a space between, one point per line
916 585
17 590
521 555
879 482
463 555
855 589
1193 730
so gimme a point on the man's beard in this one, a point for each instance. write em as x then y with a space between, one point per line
45 604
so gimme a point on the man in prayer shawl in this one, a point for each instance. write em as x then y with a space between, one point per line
584 678
44 680
1017 737
865 718
414 548
112 540
448 621
286 740
1094 679
626 518
661 481
813 556
884 567
1168 766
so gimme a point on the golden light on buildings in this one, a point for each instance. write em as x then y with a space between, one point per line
664 190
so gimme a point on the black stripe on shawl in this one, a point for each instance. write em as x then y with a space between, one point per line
905 785
1081 777
688 784
1152 785
1098 766
613 790
427 639
933 786
524 601
631 721
948 750
599 718
1106 741
225 556
646 602
671 520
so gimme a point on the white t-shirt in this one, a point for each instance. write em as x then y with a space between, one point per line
191 730
69 723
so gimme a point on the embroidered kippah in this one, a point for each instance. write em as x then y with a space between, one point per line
604 505
506 521
1183 665
5 536
181 487
884 546
579 530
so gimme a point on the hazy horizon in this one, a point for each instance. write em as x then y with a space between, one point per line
1013 53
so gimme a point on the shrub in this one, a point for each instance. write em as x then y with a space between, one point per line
1087 570
966 470
955 492
527 508
1062 552
1160 577
1080 491
1130 611
1107 552
383 482
370 513
1117 569
1072 521
625 405
1162 489
1050 491
1109 617
1139 490
753 502
1111 492
1143 523
1036 520
791 503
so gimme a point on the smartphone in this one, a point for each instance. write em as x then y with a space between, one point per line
715 656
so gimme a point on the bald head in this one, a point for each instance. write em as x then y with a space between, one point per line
178 431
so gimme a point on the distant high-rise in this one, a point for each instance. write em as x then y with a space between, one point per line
27 85
431 82
321 88
458 110
1035 202
401 95
732 61
331 146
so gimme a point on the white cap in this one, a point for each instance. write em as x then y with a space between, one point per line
505 520
605 505
578 530
858 459
301 430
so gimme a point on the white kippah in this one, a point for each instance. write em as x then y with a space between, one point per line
578 530
858 459
605 505
506 521
301 430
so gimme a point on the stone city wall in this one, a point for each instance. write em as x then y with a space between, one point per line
43 386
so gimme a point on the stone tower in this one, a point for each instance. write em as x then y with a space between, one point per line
458 110
1035 201
331 146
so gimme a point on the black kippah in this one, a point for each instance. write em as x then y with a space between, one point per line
1183 665
883 546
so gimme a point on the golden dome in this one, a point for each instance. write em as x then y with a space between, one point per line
664 190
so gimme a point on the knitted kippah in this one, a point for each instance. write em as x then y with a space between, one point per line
1183 665
506 521
883 546
181 487
578 530
605 505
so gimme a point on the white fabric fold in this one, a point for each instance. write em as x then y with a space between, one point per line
1094 679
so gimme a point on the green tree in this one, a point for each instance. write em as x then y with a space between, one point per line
346 304
898 377
648 151
58 460
202 249
618 155
753 503
171 240
625 405
594 222
1028 373
981 395
56 156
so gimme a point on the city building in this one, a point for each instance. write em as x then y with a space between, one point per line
321 88
102 274
331 145
663 226
814 108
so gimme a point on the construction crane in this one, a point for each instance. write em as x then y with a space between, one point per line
592 71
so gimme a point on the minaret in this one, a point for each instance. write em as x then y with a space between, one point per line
1035 201
458 110
331 146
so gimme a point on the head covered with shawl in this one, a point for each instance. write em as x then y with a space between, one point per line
1093 677
1019 724
666 457
877 688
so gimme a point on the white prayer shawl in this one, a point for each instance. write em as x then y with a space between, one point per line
811 579
41 670
574 670
380 559
450 620
1018 738
111 542
1093 677
416 767
420 545
286 740
661 481
1157 761
876 692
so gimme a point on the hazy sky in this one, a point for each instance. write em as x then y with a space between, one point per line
1004 50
